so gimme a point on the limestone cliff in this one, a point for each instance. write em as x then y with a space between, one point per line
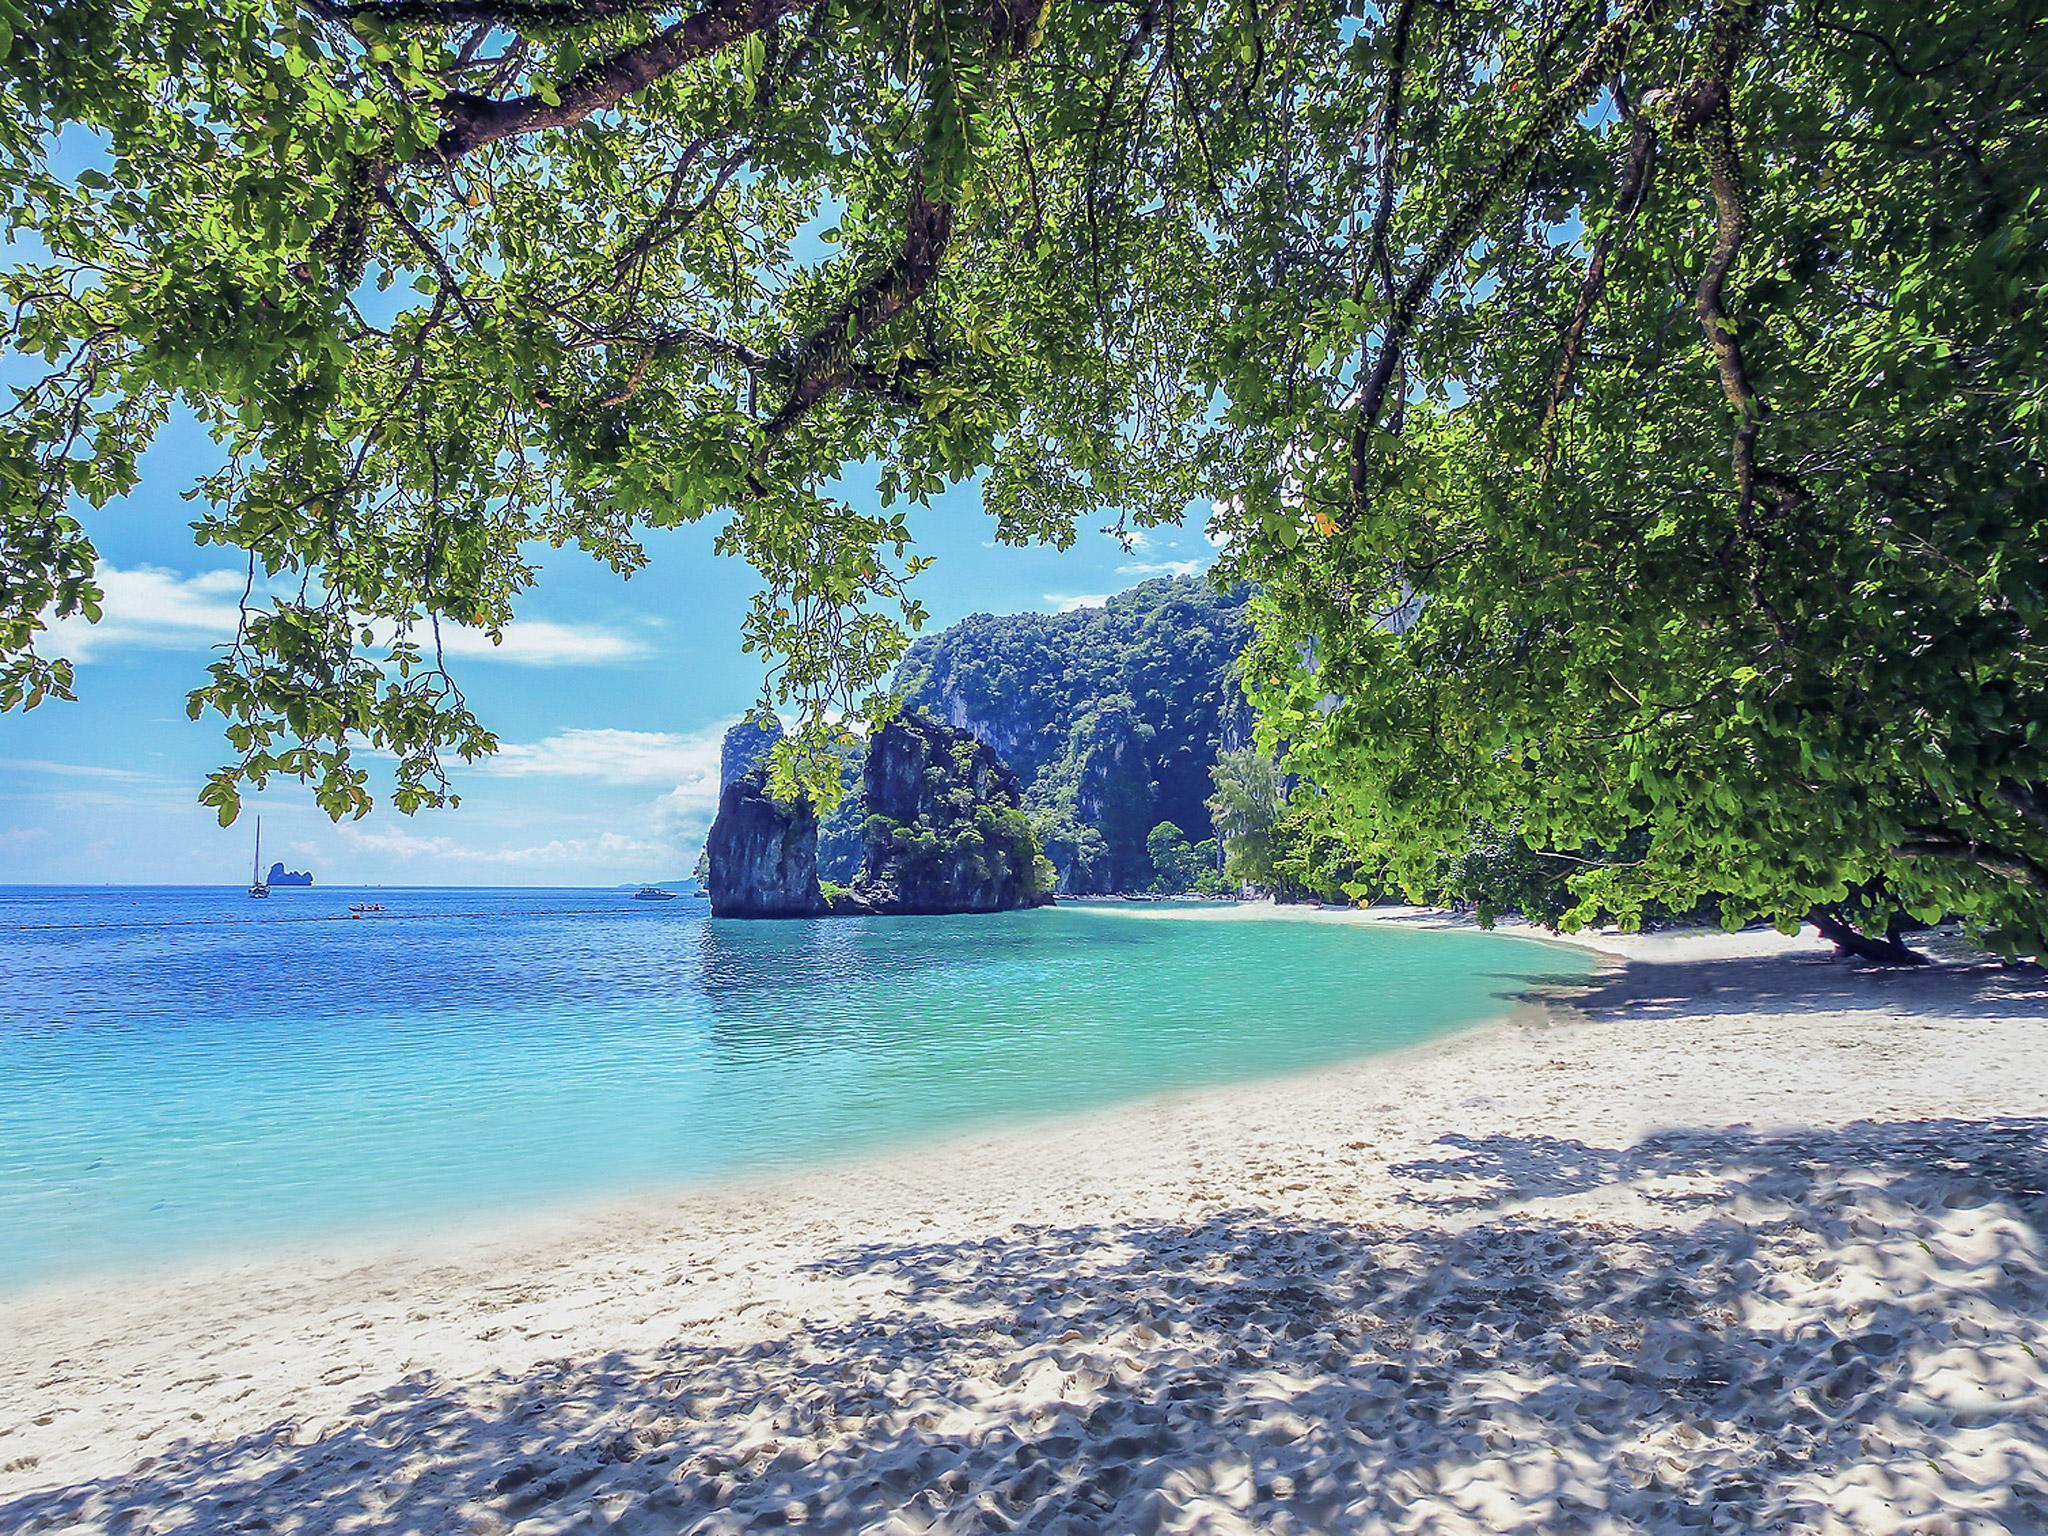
1112 716
945 828
945 831
746 746
762 854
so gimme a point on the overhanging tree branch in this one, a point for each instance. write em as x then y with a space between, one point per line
823 361
2006 863
1609 51
452 13
476 121
1635 182
1708 110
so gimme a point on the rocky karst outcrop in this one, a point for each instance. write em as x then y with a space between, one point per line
1112 716
745 747
750 745
762 855
944 831
945 828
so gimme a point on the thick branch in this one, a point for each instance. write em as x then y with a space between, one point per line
1609 51
2003 862
1730 224
824 360
1848 940
1708 109
1378 263
475 121
1635 182
505 13
1379 266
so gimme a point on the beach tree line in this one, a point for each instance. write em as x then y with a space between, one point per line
1676 368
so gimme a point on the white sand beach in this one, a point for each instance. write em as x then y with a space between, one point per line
1742 1239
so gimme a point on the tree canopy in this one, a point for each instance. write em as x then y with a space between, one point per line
1720 474
1676 367
454 280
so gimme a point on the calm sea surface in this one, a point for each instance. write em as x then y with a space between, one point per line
185 1070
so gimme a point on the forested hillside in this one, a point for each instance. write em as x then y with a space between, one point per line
1111 716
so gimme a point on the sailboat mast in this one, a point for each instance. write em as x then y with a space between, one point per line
256 863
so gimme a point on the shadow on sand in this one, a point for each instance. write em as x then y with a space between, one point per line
1818 1331
1818 983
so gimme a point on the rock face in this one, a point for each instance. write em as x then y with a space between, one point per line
746 747
945 829
1112 716
763 854
279 875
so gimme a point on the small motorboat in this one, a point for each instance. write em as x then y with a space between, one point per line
653 893
364 908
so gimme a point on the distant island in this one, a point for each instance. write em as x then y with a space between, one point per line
279 875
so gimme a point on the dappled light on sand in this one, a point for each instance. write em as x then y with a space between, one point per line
1826 1330
1670 1265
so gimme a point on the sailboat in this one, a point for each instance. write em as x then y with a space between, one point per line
257 886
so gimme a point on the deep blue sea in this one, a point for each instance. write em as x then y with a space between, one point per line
187 1071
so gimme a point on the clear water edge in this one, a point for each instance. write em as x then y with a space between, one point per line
185 1079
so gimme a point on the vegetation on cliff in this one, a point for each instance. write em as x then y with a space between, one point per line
1111 716
942 830
749 744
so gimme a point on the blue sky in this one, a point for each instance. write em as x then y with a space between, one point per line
609 695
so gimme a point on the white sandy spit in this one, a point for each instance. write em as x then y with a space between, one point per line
1750 1241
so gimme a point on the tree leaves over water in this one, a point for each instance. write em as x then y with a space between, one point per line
455 282
1683 362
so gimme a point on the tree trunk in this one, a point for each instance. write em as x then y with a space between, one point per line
1889 950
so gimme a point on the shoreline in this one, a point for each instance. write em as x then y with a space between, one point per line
986 1268
428 1239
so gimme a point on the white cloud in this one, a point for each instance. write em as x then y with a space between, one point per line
615 757
397 842
1162 568
153 608
687 763
1064 603
685 812
150 608
541 643
74 770
21 837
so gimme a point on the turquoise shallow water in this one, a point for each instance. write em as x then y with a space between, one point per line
185 1070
